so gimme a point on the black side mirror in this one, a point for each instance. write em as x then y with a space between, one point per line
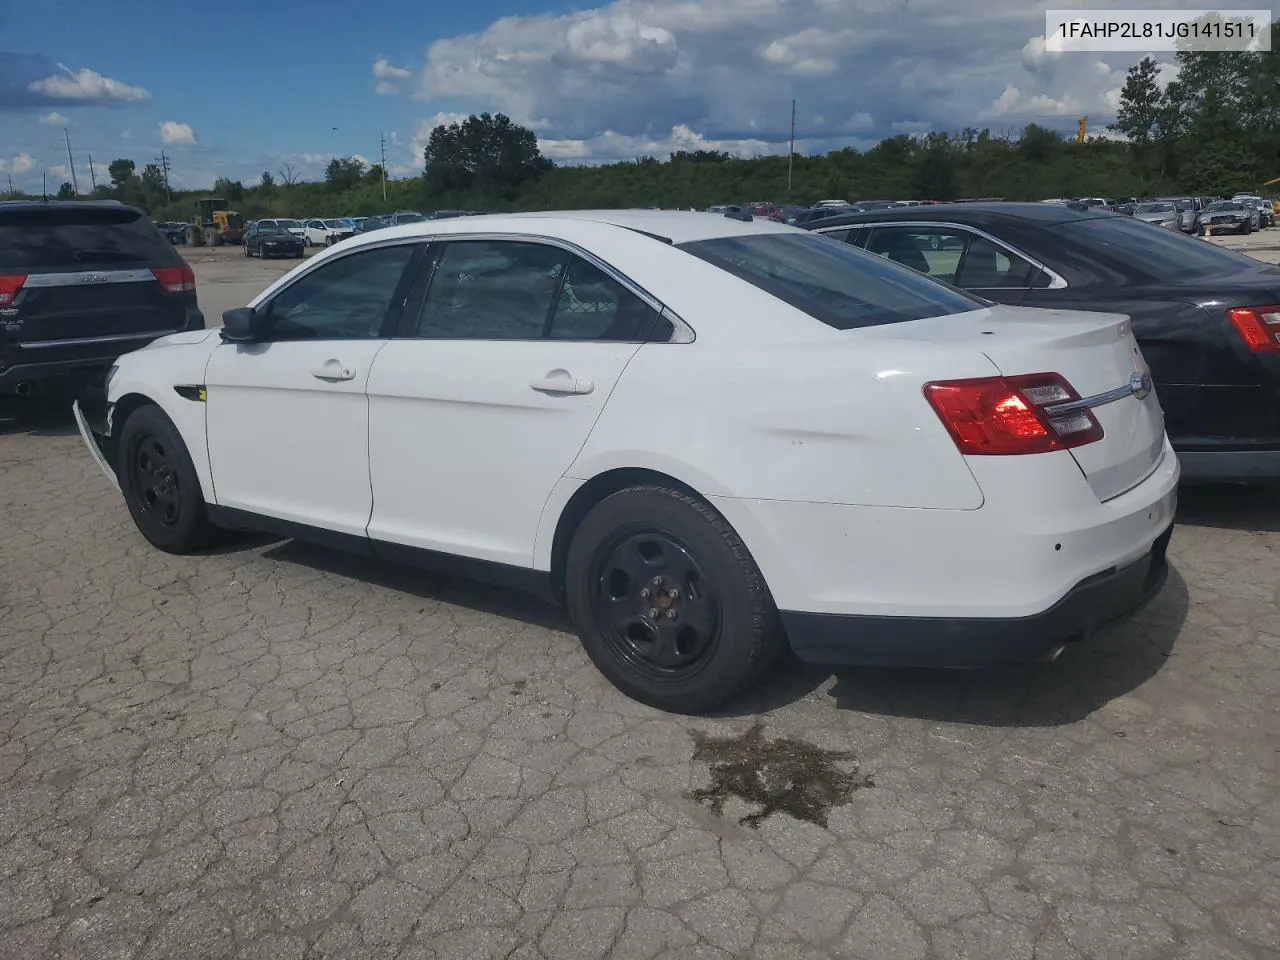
241 325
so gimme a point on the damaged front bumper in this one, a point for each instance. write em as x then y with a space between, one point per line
94 423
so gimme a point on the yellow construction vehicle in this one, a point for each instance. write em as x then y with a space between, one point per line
214 225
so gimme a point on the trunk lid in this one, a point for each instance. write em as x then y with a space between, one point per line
1097 354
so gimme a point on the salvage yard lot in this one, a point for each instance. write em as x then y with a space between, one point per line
276 751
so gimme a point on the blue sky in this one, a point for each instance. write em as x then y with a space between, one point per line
597 82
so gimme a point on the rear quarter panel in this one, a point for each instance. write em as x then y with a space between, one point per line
841 422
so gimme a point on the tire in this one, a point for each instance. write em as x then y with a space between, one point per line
724 616
160 484
246 251
1247 228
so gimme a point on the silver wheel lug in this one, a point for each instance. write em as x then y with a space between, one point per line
671 614
656 581
645 594
653 613
674 593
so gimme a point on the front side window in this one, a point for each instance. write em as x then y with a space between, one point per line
492 290
836 283
350 298
954 256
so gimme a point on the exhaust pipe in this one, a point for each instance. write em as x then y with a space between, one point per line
26 389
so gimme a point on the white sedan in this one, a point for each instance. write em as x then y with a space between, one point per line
708 436
325 233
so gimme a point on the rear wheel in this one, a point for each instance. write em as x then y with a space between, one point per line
668 601
160 484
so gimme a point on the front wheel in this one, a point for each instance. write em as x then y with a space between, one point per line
668 601
160 484
1247 228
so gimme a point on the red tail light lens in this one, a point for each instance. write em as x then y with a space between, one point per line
175 279
9 287
1259 327
1003 416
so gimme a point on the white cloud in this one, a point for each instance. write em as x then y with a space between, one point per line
385 71
54 119
18 164
385 88
730 68
126 134
174 134
88 86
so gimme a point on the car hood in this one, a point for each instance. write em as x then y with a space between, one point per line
185 339
1155 217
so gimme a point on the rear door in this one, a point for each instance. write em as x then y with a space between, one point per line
481 409
88 280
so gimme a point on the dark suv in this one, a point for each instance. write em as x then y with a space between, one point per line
82 282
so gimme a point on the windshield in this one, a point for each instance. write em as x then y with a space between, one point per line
1223 206
1154 208
830 280
1164 255
271 228
409 218
289 224
334 224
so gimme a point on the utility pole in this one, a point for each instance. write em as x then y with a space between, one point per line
93 177
382 146
1082 127
71 163
164 168
791 148
10 176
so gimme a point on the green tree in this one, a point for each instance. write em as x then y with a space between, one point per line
343 173
230 190
121 172
66 192
153 187
1142 104
486 156
936 174
267 186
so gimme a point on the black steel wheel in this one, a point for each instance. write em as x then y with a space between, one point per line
668 601
160 485
654 605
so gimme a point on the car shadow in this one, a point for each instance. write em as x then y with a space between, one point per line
1253 508
37 416
1086 677
426 584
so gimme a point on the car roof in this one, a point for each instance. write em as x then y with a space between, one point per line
994 213
677 226
62 204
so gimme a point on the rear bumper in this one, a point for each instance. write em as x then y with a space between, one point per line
980 642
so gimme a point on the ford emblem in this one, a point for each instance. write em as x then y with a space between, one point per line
1140 384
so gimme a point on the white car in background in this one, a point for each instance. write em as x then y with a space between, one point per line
709 437
325 233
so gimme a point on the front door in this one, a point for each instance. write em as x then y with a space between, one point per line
477 415
288 417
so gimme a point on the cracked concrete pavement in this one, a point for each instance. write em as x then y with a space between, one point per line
274 751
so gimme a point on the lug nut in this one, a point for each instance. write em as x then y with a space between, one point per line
645 594
656 581
653 613
674 593
671 614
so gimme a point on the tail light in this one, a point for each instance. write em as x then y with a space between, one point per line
175 279
1259 327
9 287
1001 416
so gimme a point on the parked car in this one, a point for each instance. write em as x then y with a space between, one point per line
267 239
80 284
1161 213
1207 318
765 210
1266 213
1227 216
175 233
292 226
391 220
687 557
325 233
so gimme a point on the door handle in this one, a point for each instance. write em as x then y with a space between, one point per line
559 382
334 371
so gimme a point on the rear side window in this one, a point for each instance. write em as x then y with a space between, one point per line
1160 254
53 237
834 282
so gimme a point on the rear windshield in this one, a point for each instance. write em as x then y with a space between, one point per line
36 238
834 282
1160 254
